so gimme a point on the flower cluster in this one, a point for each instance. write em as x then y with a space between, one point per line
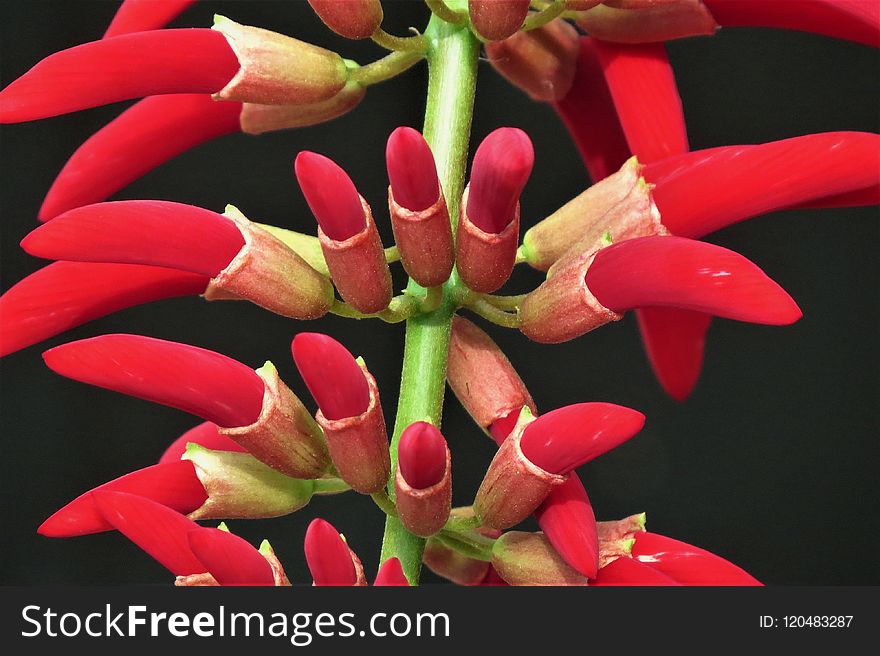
629 242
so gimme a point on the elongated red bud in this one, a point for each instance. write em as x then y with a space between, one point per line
65 295
648 22
349 238
501 167
172 484
590 117
851 20
686 563
143 137
230 559
329 557
423 483
541 62
803 171
497 19
353 19
529 559
333 376
419 216
569 437
567 519
206 434
120 68
156 529
140 15
692 275
674 341
629 571
391 574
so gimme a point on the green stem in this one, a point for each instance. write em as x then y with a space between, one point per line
386 68
441 11
391 42
386 505
453 53
492 313
547 14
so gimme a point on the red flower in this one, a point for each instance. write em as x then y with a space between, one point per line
330 559
139 15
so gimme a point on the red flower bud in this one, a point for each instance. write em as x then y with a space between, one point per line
140 15
65 295
353 19
541 62
648 22
567 519
687 564
206 434
330 560
419 216
230 559
423 482
349 238
173 484
391 574
356 434
497 19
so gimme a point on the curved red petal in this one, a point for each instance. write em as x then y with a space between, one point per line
328 556
173 484
391 574
120 68
65 295
331 373
566 516
158 530
629 571
686 563
140 15
331 195
500 428
690 275
411 170
421 455
195 380
206 434
142 138
230 559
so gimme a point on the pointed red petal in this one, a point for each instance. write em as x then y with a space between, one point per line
422 455
411 170
230 559
640 76
205 434
853 20
674 340
569 437
690 275
64 295
761 179
142 138
331 373
173 484
589 114
158 530
195 380
686 563
154 232
629 571
328 556
140 15
331 195
501 168
568 521
391 574
121 68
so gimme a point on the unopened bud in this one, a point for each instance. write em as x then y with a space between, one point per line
497 19
353 19
257 119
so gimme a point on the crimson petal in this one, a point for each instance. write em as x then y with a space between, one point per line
140 15
331 373
686 563
230 559
328 556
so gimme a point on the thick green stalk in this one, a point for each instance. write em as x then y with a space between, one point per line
453 52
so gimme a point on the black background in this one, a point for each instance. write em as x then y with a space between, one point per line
772 461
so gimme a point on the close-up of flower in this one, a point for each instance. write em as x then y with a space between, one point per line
453 221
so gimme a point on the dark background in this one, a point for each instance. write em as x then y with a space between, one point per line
772 461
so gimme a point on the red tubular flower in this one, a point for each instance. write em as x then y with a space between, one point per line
497 19
419 216
329 558
813 169
423 483
172 484
629 571
141 15
488 225
566 438
353 19
158 530
853 20
589 115
349 238
206 434
355 428
692 275
391 574
566 516
230 559
64 295
148 134
687 564
120 68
